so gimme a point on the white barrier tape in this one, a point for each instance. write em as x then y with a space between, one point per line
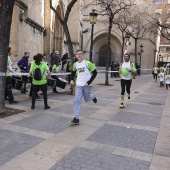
27 74
118 71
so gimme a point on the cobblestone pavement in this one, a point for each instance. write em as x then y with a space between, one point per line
108 138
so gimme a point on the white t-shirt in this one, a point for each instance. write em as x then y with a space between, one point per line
162 76
167 79
155 70
129 66
83 73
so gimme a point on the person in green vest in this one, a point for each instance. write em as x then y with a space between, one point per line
8 87
37 71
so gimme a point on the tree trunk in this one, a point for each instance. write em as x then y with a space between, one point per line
69 42
6 11
123 45
136 53
108 52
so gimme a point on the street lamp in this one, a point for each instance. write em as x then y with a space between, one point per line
93 19
141 51
127 37
155 51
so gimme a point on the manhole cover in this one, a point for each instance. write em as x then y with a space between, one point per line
136 92
152 103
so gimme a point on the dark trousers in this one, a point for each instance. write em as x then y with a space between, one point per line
155 76
55 85
31 88
24 83
125 84
8 89
36 88
167 86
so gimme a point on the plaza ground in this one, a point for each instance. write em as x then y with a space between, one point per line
108 138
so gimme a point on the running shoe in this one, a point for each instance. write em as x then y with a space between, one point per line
121 105
74 122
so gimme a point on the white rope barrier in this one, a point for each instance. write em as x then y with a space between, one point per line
27 74
61 74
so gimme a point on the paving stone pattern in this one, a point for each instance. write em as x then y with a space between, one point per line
151 109
86 159
12 144
138 119
157 102
85 110
44 122
129 138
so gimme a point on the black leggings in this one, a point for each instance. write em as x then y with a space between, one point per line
127 84
8 89
155 76
36 88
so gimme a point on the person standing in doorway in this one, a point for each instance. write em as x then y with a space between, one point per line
127 69
86 73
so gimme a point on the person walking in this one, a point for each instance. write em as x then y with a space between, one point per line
86 73
37 71
8 87
155 72
167 79
162 77
127 70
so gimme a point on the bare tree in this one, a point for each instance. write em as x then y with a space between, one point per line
111 8
6 11
63 21
123 22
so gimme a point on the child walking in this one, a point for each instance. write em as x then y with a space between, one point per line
162 76
167 79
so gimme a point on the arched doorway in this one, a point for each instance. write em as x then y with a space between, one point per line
103 52
58 32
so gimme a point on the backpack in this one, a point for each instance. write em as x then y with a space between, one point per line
37 73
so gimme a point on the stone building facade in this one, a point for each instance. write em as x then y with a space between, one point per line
163 44
35 28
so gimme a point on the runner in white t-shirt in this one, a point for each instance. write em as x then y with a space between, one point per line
127 69
85 73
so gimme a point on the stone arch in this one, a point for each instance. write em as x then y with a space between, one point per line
101 40
58 34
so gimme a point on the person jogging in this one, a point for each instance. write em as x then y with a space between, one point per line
127 69
85 73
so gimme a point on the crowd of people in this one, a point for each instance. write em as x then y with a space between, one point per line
39 71
163 72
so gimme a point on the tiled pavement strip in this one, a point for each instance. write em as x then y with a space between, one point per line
134 138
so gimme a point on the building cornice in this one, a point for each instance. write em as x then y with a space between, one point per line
21 4
34 24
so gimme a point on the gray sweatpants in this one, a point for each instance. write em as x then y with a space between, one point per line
80 92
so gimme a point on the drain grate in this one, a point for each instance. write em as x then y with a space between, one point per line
152 103
136 92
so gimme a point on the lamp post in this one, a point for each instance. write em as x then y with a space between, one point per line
141 51
93 19
127 37
155 51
